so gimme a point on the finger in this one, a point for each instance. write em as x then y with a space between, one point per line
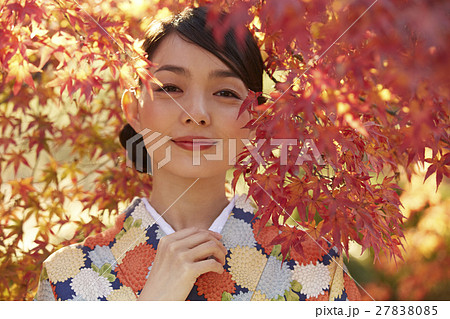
207 249
208 265
203 237
187 239
215 234
183 233
174 241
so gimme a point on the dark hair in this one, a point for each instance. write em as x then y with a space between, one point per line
191 24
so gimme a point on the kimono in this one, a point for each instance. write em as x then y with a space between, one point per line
115 264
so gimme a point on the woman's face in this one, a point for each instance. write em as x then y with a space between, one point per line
203 100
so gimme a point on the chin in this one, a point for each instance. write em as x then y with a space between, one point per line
186 169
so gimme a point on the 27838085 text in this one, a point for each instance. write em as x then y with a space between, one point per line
386 310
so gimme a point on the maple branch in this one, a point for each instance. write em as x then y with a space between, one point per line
270 75
82 37
6 100
318 121
92 171
3 5
35 164
315 171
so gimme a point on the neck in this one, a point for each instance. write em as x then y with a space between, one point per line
188 202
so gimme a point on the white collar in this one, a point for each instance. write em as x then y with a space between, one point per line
216 226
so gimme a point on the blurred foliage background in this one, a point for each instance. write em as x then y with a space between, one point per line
64 175
423 273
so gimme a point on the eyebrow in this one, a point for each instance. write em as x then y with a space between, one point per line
223 74
174 69
182 71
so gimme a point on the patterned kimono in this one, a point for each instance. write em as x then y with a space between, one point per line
115 264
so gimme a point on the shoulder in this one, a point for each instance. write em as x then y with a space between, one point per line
130 216
315 273
134 212
72 271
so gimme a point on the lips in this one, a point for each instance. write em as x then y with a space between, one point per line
197 142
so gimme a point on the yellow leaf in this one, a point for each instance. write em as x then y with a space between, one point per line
315 30
20 70
343 108
385 95
46 53
356 124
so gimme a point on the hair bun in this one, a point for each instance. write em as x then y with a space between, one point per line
143 165
126 133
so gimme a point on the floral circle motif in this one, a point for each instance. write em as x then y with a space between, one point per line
133 237
141 213
212 285
337 286
102 255
313 278
320 297
259 296
64 263
124 293
351 289
90 285
77 298
148 272
243 296
159 233
45 291
107 236
237 232
275 279
246 265
133 269
265 236
244 204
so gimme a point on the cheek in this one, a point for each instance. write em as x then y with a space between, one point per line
235 132
236 125
155 118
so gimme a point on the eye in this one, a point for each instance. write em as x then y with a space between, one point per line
168 88
228 93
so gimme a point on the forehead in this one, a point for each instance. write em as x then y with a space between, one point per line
176 51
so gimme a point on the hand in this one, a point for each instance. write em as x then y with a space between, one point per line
180 259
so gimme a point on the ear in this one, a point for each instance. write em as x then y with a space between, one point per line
130 108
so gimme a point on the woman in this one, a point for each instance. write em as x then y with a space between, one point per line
188 241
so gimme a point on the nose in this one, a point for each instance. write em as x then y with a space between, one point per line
195 111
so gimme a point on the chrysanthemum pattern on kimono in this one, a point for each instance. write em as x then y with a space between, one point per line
115 264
